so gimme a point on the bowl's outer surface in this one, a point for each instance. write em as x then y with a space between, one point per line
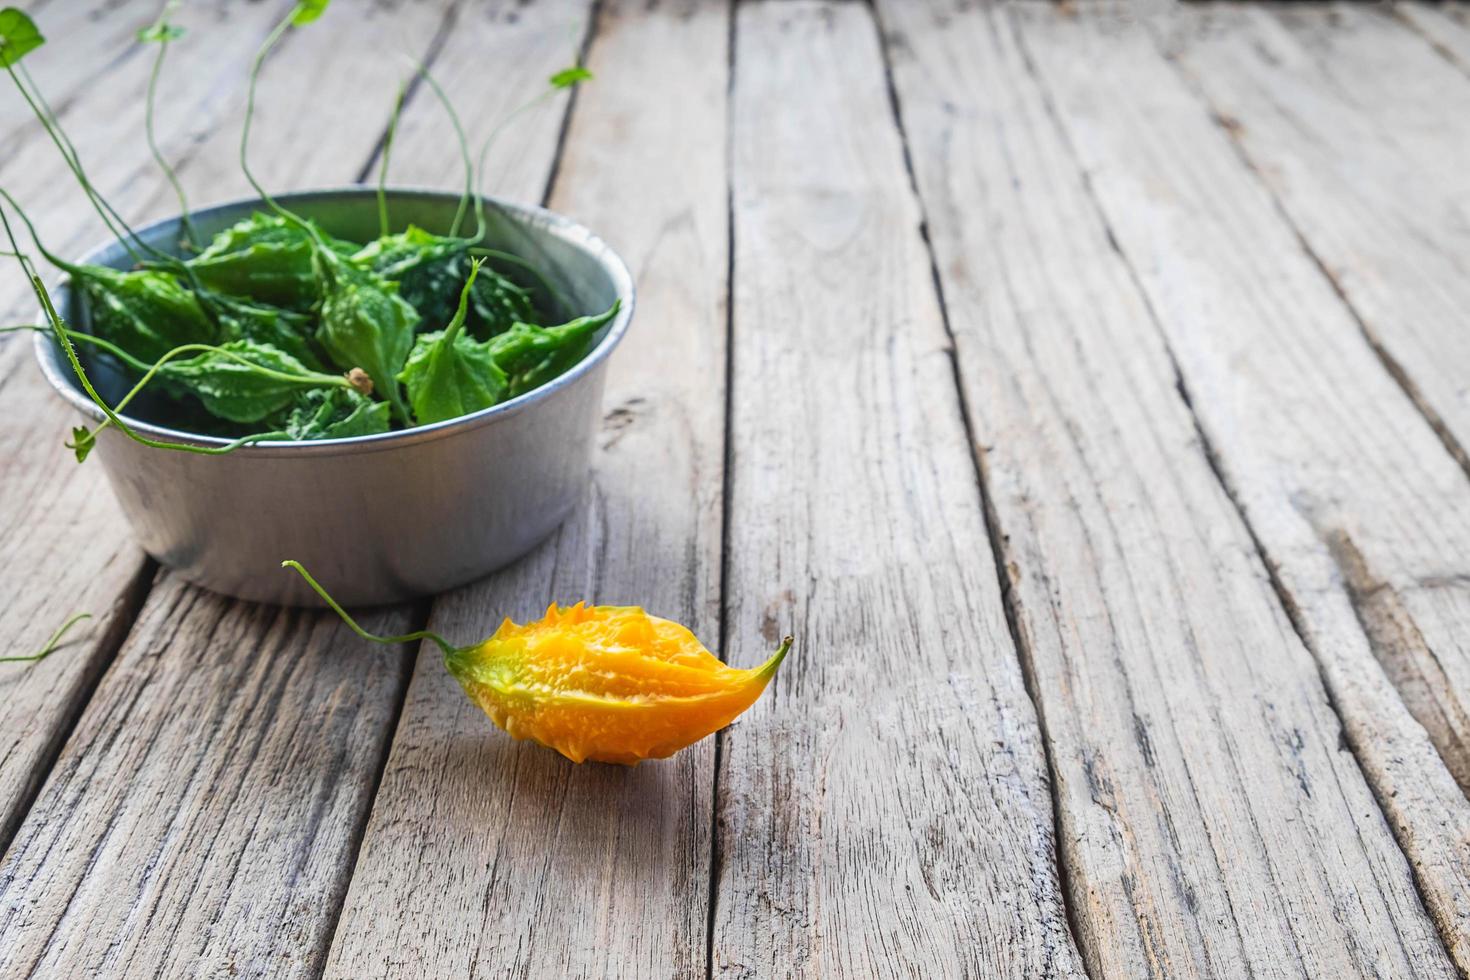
377 519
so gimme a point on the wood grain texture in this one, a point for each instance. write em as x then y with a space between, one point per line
488 857
105 121
1357 126
65 546
1213 821
1445 26
530 42
49 509
198 821
322 104
1361 512
99 39
884 809
236 747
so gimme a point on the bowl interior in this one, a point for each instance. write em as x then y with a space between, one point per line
580 266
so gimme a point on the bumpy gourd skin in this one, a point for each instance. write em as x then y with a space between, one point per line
606 683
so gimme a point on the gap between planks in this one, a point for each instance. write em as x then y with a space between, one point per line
411 89
119 625
1317 86
885 807
727 452
1391 364
113 573
146 593
419 618
483 851
1424 811
995 537
424 609
1363 588
1314 954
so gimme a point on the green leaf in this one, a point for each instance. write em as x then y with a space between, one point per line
497 304
266 258
452 379
449 374
18 36
366 324
391 255
334 413
63 338
568 77
531 356
243 319
308 10
256 382
82 441
146 312
541 295
160 33
429 269
446 380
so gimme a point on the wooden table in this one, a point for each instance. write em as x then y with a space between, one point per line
1086 388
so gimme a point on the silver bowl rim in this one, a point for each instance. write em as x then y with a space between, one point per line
48 352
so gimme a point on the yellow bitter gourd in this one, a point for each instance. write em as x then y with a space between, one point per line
597 683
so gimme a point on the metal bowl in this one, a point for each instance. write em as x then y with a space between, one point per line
379 518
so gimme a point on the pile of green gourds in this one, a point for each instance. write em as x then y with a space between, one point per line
274 329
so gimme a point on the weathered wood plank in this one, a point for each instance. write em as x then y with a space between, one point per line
1361 512
98 37
49 511
1445 26
1357 126
62 536
235 858
106 123
489 857
197 822
532 41
884 810
1213 821
322 103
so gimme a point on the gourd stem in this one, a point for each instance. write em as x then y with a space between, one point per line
62 264
457 323
327 261
316 587
67 151
383 225
464 153
484 152
63 337
51 644
76 365
191 237
73 269
265 49
311 379
136 363
768 669
127 237
494 253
